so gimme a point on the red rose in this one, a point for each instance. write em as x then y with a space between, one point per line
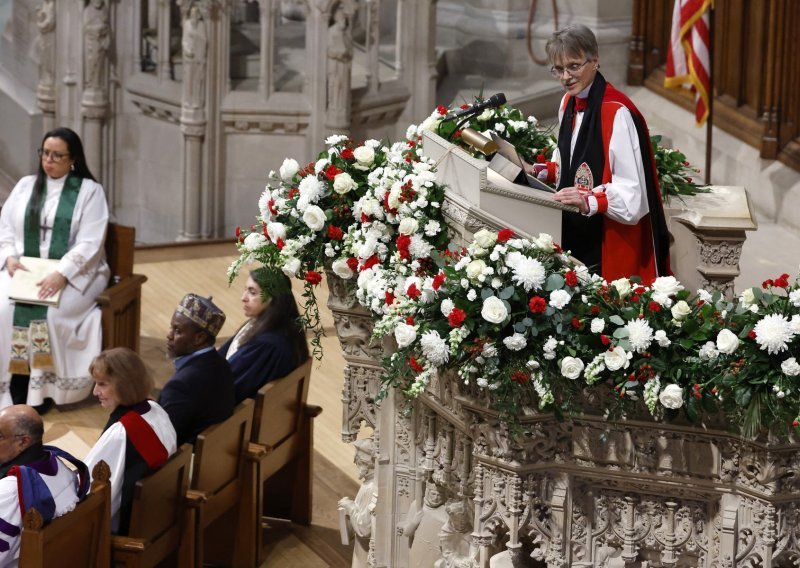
537 305
331 172
595 310
504 234
403 242
313 278
456 317
572 278
413 292
352 263
520 378
335 233
347 154
634 298
654 306
767 283
576 323
416 367
438 280
410 320
389 298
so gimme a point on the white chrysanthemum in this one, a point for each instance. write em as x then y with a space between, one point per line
516 342
334 139
419 247
447 307
559 298
434 348
254 241
320 165
529 273
708 351
311 188
790 367
640 334
597 325
773 333
704 295
432 228
263 205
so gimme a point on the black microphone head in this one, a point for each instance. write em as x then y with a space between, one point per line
498 99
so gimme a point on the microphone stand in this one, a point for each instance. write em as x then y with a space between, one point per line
459 124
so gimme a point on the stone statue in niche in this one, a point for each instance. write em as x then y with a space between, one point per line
455 538
422 526
340 58
356 515
96 42
194 44
46 22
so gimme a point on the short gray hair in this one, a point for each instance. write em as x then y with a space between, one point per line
29 426
572 40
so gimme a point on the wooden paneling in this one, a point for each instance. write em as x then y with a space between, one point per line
756 69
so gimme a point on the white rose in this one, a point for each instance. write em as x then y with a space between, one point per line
475 269
623 286
559 298
314 217
342 183
598 325
408 226
485 239
790 367
616 359
661 337
364 155
494 310
288 169
404 334
254 241
671 396
727 342
544 242
748 298
571 367
667 286
341 269
276 231
680 310
291 266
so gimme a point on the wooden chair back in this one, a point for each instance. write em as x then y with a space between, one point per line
82 537
120 241
157 514
280 407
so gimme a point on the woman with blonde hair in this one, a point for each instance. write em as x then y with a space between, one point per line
138 437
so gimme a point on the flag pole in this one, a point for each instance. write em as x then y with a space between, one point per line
710 119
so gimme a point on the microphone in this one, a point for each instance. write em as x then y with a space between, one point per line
492 102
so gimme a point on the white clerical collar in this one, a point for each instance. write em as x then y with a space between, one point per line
56 182
585 93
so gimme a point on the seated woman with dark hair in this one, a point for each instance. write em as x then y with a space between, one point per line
138 438
271 343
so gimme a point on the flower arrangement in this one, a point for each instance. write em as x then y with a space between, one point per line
675 174
516 319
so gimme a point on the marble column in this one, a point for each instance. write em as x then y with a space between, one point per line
94 101
193 135
45 89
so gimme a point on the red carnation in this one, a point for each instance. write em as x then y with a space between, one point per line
352 263
504 234
413 292
331 172
416 367
456 317
604 340
438 280
370 262
767 283
410 320
386 204
335 233
537 305
280 244
752 334
364 218
347 154
292 193
576 323
572 278
388 298
595 310
313 278
654 306
271 207
520 378
541 158
238 231
403 242
441 109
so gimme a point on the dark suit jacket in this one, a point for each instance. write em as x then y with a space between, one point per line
198 395
266 357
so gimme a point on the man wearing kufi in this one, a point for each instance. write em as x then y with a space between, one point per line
201 392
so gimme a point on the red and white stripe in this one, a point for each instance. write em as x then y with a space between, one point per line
688 58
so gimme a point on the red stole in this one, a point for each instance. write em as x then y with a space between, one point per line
144 439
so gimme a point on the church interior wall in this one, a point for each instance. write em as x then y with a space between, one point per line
22 131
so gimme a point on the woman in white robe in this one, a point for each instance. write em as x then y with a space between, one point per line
74 327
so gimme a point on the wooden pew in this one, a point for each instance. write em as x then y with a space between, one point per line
82 537
216 488
121 302
282 444
158 529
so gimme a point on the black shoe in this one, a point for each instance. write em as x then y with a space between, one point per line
45 407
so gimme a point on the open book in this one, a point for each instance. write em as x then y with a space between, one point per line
23 283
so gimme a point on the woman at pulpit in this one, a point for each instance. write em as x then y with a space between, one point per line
606 168
59 213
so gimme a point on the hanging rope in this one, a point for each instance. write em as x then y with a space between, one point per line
529 32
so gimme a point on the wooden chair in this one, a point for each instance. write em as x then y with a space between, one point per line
83 536
216 488
282 442
121 302
157 528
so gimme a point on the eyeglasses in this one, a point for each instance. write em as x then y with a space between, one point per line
571 70
56 157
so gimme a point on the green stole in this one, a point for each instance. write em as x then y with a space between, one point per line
30 320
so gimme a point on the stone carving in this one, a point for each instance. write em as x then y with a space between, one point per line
422 525
455 541
358 397
355 331
194 44
46 22
96 43
340 57
358 514
720 253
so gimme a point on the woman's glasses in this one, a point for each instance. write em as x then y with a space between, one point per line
56 157
571 70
